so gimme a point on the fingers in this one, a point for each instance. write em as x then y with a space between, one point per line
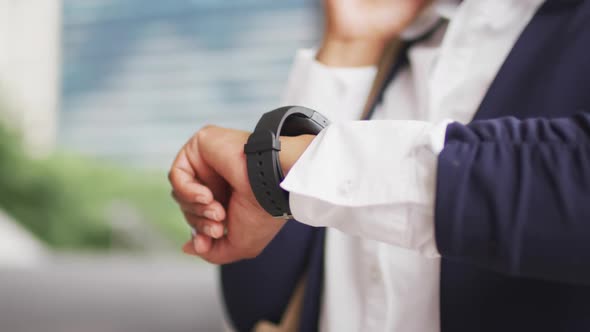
215 251
214 229
218 253
201 176
198 245
189 248
212 251
213 210
201 244
204 172
204 218
183 178
223 252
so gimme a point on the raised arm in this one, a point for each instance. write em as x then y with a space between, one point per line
505 194
514 196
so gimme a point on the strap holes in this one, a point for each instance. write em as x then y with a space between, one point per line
268 193
261 173
259 163
264 183
259 154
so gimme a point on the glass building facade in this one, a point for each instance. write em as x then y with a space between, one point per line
139 77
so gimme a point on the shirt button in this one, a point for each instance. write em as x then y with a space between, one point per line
345 188
375 274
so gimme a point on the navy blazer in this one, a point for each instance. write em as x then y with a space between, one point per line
512 202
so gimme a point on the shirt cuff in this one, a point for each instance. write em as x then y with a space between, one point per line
339 93
373 179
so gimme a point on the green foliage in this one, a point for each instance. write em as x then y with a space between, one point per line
65 199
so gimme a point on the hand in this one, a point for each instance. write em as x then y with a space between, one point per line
210 183
377 20
357 31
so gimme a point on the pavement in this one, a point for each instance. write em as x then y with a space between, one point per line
68 293
45 291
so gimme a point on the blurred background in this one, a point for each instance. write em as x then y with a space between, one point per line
96 97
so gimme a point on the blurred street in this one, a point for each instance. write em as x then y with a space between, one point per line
110 294
96 99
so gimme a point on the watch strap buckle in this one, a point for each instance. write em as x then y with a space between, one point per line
262 141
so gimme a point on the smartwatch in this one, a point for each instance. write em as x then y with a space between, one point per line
262 154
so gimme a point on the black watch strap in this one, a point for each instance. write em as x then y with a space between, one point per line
262 153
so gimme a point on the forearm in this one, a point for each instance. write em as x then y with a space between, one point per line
511 195
291 150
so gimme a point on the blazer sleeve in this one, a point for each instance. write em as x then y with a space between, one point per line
514 196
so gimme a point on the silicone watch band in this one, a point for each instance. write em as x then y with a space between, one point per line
262 153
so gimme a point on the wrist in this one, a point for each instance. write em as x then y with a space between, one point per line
350 52
292 147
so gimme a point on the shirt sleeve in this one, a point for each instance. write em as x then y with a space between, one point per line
512 197
339 93
373 179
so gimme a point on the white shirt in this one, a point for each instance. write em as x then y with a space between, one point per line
373 182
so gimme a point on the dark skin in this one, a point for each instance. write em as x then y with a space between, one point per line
211 186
